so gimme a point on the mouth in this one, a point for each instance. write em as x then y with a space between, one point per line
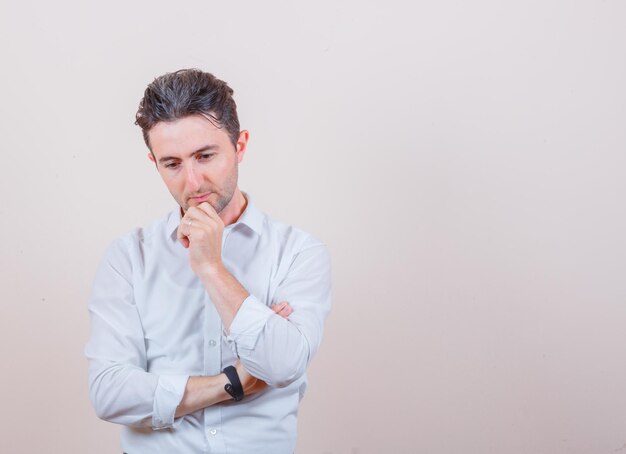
201 198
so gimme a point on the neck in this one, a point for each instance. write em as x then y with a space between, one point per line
234 209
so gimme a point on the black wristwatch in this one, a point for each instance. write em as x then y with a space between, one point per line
233 388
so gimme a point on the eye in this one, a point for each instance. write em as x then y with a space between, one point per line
171 165
205 156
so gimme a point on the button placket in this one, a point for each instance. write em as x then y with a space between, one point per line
213 361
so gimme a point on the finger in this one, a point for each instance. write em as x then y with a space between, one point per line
195 233
285 312
196 216
187 232
277 307
194 219
208 209
183 227
182 237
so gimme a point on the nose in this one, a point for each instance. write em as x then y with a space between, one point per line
193 180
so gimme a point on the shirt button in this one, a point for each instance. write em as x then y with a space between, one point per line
213 431
212 343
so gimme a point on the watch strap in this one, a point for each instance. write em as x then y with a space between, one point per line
233 388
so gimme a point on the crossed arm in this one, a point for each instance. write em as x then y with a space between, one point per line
274 350
200 231
204 391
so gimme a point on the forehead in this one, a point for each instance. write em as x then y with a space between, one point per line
186 135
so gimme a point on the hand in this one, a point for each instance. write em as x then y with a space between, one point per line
200 231
283 309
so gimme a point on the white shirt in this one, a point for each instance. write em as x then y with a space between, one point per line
153 326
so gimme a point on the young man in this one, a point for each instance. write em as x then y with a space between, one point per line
216 283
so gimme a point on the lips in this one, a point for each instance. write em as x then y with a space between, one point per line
200 198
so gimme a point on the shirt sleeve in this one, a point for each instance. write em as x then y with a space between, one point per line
120 388
276 350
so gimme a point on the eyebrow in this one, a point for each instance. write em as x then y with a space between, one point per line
199 150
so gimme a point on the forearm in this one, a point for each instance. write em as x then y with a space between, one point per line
226 293
278 351
201 392
281 351
130 396
281 354
273 349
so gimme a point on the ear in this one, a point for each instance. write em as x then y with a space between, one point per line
242 143
151 158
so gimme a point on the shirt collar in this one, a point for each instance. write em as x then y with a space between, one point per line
251 217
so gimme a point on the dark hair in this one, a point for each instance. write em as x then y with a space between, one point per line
188 92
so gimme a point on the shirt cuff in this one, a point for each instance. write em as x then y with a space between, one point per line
249 323
169 392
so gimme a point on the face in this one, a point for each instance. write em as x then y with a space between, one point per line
197 160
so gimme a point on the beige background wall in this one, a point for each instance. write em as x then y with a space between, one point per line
465 162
